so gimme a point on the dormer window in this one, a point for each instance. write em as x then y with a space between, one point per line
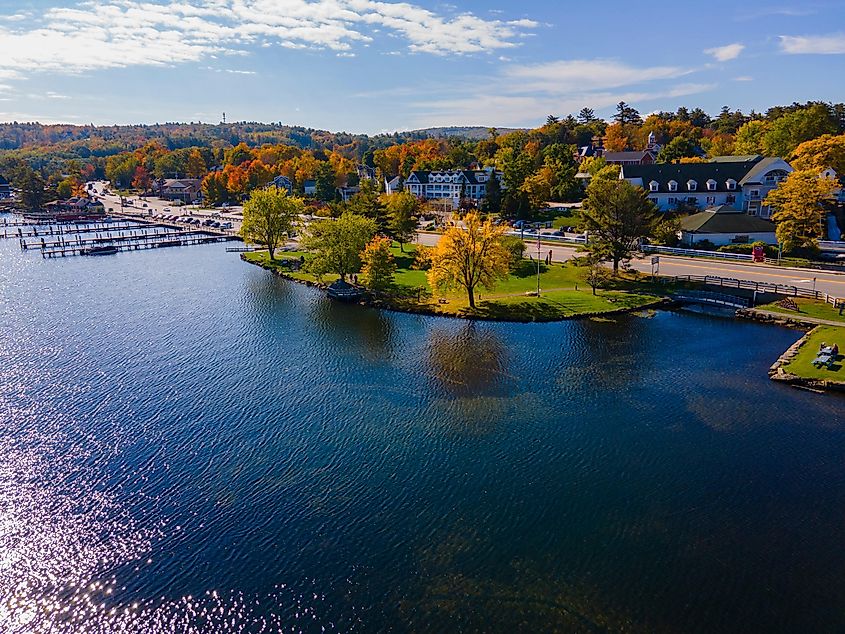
692 185
711 185
673 186
731 183
653 186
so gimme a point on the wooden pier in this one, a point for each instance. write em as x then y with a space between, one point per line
93 239
150 242
35 230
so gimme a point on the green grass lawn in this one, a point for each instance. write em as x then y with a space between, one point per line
808 308
563 294
802 364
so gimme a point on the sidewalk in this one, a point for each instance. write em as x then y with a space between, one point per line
799 317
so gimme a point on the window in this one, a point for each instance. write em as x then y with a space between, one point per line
711 200
711 185
673 186
671 200
692 185
691 200
754 193
731 183
653 200
653 186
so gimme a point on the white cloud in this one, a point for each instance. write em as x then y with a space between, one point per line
813 44
725 53
121 33
530 92
744 78
582 75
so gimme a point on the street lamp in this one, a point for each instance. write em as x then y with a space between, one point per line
538 262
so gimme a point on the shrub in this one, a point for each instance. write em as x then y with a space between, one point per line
515 248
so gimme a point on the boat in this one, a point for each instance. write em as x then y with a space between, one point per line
343 291
108 249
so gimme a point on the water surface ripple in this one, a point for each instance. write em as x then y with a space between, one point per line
190 444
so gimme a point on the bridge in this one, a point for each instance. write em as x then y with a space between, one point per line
711 299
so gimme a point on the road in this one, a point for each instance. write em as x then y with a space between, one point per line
825 281
158 205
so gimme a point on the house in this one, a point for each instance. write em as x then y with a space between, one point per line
345 193
282 182
184 189
365 172
393 186
452 185
724 225
309 188
5 188
741 182
636 157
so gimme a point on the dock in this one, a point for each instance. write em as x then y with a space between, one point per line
128 234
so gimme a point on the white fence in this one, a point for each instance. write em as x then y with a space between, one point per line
650 248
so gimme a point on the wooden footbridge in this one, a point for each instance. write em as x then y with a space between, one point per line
721 300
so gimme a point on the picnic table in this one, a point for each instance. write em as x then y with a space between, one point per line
825 357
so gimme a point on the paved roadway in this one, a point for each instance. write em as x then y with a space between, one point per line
826 282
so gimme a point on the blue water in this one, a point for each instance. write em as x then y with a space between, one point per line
189 444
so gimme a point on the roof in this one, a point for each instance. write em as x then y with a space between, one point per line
725 219
766 165
617 157
471 176
736 159
662 173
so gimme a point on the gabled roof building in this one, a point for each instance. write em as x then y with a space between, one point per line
724 225
740 182
452 185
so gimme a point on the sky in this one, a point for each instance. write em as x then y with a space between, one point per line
376 66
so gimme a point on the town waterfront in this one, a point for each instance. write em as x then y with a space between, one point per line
189 443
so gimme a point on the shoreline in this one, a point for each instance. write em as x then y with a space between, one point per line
380 304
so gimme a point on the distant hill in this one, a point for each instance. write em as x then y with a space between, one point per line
474 133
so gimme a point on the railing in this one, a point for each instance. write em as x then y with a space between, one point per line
707 297
651 248
760 287
545 237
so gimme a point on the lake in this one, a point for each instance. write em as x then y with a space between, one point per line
188 443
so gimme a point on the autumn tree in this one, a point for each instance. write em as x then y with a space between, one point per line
196 167
469 257
402 211
749 138
141 179
617 215
789 131
336 244
269 215
378 264
799 205
825 152
615 139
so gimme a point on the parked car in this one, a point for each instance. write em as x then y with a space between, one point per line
215 224
226 225
167 209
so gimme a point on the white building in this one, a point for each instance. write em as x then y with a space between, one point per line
725 225
741 182
452 185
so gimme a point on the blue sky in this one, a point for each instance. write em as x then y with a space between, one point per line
379 65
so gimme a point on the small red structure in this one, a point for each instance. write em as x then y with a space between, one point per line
758 254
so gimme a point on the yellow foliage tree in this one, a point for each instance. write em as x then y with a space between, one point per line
469 257
825 152
799 206
615 139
